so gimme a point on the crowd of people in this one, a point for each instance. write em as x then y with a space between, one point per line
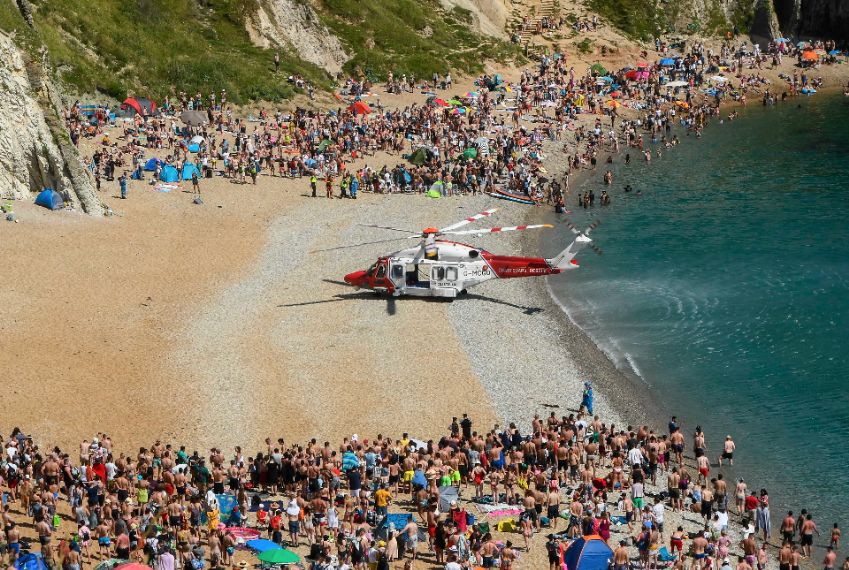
162 504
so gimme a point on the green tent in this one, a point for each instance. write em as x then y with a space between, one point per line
419 157
434 194
324 144
598 68
470 153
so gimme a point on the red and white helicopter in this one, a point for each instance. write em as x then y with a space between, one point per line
441 268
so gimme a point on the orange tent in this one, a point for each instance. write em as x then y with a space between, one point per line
360 108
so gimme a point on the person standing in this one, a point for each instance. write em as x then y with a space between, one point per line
276 62
313 181
587 399
123 181
195 183
727 451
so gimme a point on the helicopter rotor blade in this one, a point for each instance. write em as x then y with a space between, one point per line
592 227
364 243
474 218
595 249
389 228
495 230
571 227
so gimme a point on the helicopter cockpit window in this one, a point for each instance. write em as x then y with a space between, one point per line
397 271
438 274
381 272
370 270
451 273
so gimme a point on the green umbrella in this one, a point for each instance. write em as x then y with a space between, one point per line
455 102
470 153
598 68
279 556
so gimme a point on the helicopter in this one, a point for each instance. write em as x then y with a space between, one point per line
442 268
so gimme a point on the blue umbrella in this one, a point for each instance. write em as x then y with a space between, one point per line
667 61
309 163
261 545
606 79
782 41
834 52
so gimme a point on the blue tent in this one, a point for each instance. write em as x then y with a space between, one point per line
169 174
588 553
30 562
151 164
261 545
50 199
188 169
194 148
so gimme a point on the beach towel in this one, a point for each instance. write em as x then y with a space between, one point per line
504 513
506 526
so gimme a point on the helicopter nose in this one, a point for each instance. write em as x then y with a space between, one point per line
355 278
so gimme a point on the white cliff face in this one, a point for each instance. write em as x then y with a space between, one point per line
31 158
294 24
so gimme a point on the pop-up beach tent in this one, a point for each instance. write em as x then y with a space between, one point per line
30 562
50 199
151 164
169 174
140 105
588 553
188 169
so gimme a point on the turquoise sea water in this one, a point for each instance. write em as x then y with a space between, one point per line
725 287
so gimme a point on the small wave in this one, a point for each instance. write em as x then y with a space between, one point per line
618 357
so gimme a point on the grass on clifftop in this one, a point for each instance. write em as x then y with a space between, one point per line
410 36
153 48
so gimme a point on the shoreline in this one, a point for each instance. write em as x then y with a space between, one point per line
629 393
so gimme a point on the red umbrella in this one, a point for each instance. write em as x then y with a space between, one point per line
631 74
615 94
441 103
642 65
360 108
133 566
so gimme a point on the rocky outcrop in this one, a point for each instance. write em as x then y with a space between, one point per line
294 24
489 16
35 152
764 27
824 18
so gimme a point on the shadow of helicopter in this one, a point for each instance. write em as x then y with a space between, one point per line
391 301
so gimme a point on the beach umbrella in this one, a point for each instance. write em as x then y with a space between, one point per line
803 45
470 94
459 111
631 74
598 68
642 75
667 61
676 84
360 108
111 564
279 556
606 79
470 153
643 65
441 102
719 79
613 104
782 41
834 52
309 163
683 104
615 94
809 55
557 56
455 102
